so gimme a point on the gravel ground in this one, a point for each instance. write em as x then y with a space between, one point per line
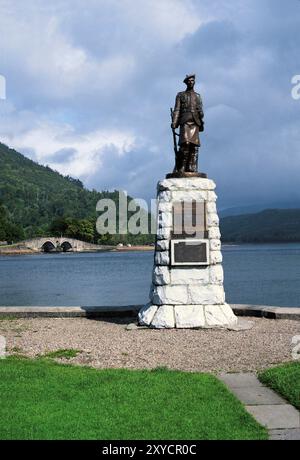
107 343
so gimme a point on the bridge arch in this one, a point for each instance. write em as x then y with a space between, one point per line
66 246
48 246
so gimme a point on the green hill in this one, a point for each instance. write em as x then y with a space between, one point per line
35 200
268 226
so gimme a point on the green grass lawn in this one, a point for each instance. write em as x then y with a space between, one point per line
41 399
285 379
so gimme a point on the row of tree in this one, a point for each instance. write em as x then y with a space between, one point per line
9 231
85 229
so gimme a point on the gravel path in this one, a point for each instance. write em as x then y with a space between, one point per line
105 343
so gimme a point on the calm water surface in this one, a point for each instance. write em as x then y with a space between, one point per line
254 274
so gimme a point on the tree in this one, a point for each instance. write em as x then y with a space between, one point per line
9 231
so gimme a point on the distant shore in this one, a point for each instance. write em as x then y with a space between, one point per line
18 250
134 248
15 250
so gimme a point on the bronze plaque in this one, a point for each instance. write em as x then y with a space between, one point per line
189 252
189 219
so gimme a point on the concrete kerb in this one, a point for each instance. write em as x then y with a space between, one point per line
70 312
263 311
259 311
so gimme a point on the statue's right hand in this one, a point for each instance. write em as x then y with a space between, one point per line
173 126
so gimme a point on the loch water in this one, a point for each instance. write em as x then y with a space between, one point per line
260 274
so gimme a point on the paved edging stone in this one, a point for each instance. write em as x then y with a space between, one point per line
280 418
267 312
70 312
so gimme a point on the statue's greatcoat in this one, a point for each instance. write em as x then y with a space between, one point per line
188 114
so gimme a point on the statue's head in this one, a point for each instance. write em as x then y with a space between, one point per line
190 81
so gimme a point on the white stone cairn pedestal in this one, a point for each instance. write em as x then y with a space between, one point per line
192 295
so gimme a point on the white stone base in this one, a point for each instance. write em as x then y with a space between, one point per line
187 296
187 316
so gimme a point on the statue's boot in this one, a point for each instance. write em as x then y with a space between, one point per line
193 160
184 159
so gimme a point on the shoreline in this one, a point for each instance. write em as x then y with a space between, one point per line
26 251
18 250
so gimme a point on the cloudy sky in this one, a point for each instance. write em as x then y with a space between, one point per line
90 84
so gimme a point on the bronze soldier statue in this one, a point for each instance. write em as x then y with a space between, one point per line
188 115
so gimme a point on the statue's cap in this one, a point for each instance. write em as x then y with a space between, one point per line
191 75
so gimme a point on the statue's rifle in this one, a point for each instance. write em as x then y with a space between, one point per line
174 138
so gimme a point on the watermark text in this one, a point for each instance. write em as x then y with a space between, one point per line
135 217
296 87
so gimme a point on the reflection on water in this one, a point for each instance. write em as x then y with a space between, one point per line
254 274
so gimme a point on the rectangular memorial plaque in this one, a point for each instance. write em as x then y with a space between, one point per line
189 219
189 252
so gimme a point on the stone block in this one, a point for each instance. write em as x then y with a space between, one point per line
210 294
216 274
164 197
162 258
214 233
189 316
170 295
165 219
227 311
214 316
215 257
212 220
188 196
162 245
146 314
186 184
164 206
211 196
164 318
161 276
211 207
163 233
215 244
187 275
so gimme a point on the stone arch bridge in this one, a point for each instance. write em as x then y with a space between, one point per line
60 244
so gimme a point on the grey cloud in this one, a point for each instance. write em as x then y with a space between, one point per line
217 40
62 156
244 57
